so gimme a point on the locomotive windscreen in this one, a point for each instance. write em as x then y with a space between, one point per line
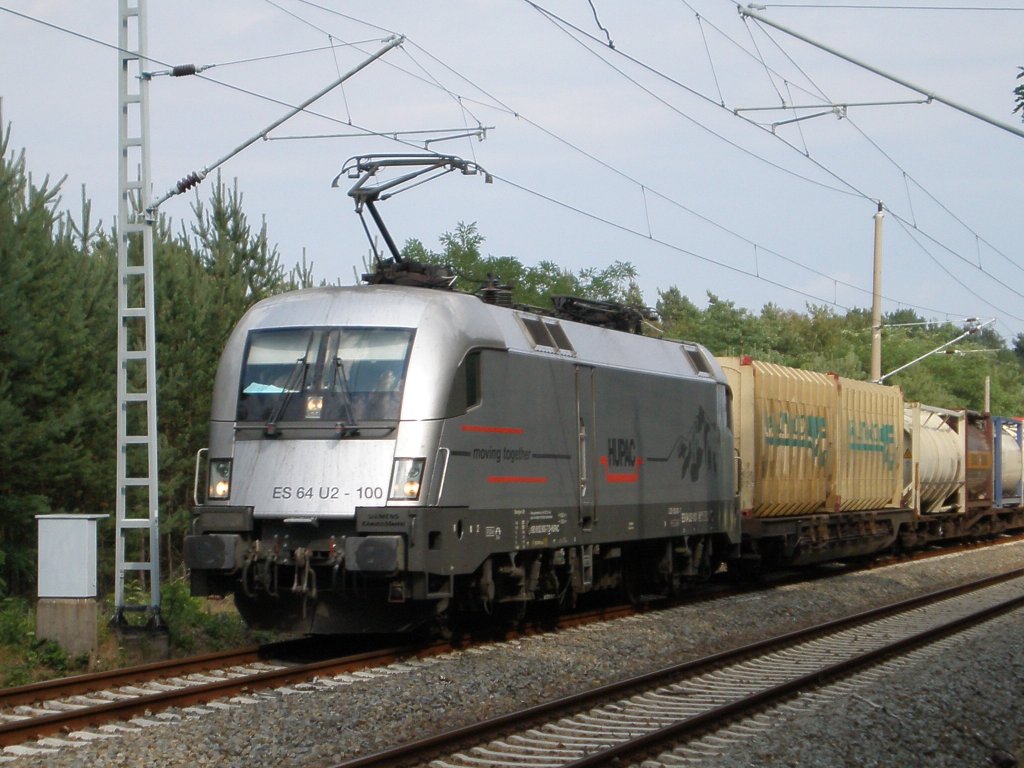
333 375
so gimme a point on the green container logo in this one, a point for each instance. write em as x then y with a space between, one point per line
798 430
873 437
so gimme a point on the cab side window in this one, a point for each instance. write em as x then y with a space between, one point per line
465 391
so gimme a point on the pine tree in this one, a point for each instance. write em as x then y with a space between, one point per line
53 396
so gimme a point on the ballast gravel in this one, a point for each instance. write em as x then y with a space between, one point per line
961 706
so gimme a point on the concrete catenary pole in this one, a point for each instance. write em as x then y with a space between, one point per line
876 300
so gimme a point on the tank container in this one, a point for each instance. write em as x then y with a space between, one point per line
938 452
1011 458
979 477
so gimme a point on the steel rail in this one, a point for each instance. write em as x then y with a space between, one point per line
95 681
19 731
671 734
39 694
423 749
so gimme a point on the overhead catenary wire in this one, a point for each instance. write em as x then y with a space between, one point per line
274 56
908 178
859 193
911 234
749 11
711 61
675 203
464 100
554 18
896 7
197 176
426 76
854 191
953 252
823 300
666 244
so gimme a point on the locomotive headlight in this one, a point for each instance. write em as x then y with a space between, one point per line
405 479
220 479
314 406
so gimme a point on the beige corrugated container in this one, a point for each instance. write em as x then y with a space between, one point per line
869 462
781 426
812 442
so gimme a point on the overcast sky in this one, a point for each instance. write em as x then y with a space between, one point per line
634 153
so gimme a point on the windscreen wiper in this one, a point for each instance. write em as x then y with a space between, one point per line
340 384
296 381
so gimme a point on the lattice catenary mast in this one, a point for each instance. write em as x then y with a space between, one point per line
137 518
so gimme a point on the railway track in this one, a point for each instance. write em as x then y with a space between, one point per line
655 715
69 705
35 693
103 700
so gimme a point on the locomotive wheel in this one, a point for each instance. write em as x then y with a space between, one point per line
635 583
512 612
639 587
631 586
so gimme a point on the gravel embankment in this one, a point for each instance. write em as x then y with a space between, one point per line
962 708
956 709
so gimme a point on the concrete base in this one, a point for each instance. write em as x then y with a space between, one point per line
68 621
149 644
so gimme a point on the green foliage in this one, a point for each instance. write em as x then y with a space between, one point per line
823 340
533 286
41 660
27 659
58 330
817 339
680 316
192 626
54 319
17 623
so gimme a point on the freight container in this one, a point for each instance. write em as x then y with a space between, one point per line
812 442
1009 461
935 466
868 470
980 479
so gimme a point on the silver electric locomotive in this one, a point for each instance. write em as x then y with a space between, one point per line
383 455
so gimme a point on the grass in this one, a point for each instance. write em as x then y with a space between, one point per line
194 625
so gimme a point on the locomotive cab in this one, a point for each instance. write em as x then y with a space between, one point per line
317 431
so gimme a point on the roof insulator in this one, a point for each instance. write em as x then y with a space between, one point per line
192 180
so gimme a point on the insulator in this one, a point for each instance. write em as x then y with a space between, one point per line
183 70
188 182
